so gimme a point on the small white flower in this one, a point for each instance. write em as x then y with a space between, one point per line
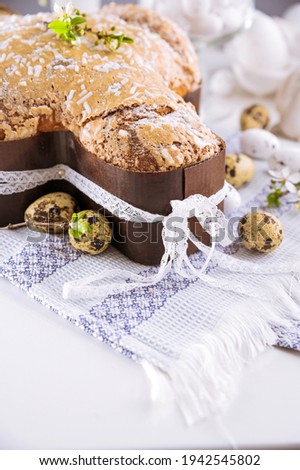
70 8
284 176
280 174
58 9
291 183
64 9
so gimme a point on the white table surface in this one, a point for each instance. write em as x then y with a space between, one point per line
61 389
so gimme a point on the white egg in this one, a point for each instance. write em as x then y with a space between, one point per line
232 201
207 25
263 46
258 143
260 57
286 156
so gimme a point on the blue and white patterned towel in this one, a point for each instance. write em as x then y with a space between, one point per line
158 324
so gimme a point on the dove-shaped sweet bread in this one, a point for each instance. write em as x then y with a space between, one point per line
123 106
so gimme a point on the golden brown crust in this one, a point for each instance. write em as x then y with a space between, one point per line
115 103
186 71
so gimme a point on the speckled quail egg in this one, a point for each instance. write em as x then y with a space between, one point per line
90 232
260 231
255 116
51 213
259 143
239 169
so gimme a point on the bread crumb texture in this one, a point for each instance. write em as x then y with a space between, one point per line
125 106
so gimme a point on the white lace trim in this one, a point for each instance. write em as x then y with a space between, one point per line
12 182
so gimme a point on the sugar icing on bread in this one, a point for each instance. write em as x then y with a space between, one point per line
184 71
123 106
